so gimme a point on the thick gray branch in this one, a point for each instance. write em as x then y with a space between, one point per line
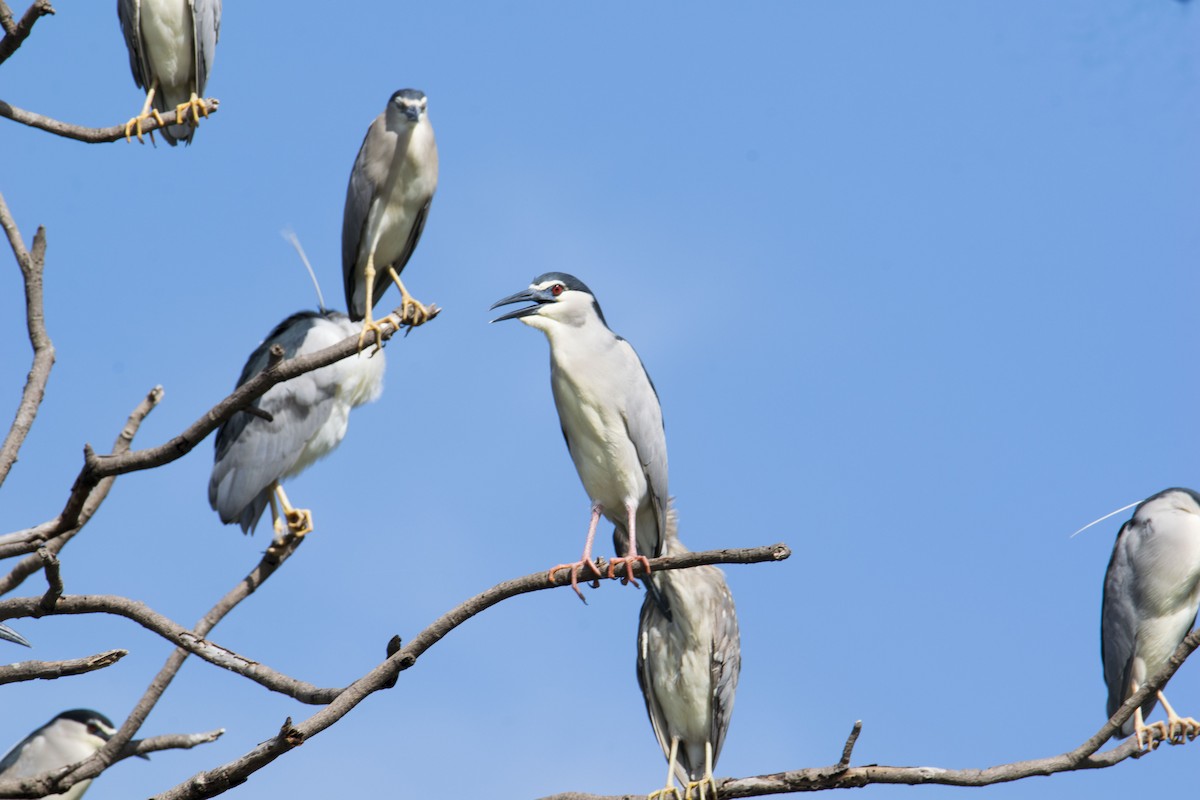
49 670
90 135
32 266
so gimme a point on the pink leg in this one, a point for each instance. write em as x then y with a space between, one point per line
629 558
585 560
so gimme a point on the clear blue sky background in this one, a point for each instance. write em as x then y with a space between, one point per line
917 283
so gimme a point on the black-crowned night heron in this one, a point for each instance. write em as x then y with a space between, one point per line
1151 594
8 634
610 417
391 187
687 666
67 739
171 46
309 415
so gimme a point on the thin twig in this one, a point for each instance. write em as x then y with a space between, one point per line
91 135
49 670
14 35
29 541
32 267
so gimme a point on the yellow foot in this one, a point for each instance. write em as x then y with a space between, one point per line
299 521
575 570
135 125
1181 729
196 106
628 562
413 313
377 330
1151 736
700 787
665 792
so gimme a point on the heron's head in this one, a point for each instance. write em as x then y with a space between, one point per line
557 298
406 107
84 725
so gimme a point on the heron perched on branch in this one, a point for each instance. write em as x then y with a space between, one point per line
67 739
171 47
687 667
610 417
387 202
293 424
1151 595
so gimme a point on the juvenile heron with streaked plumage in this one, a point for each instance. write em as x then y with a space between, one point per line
688 663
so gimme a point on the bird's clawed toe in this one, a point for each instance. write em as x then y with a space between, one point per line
299 521
575 569
628 561
703 789
665 792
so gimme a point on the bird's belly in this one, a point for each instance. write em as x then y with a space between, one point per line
606 461
395 214
685 692
324 441
169 41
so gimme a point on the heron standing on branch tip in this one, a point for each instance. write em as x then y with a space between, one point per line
299 421
67 739
687 667
1151 595
610 417
171 47
387 202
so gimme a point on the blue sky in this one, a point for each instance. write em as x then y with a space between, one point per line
916 283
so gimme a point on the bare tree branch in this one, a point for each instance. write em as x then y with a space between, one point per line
29 540
32 266
79 133
57 781
14 35
276 681
49 670
233 773
169 741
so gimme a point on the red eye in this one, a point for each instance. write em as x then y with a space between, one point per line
556 289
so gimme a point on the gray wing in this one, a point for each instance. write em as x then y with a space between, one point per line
366 176
726 663
644 423
13 755
129 14
252 453
1118 627
651 618
206 30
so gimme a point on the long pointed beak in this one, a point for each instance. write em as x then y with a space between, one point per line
523 296
10 635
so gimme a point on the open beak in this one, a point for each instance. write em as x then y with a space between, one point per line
527 295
